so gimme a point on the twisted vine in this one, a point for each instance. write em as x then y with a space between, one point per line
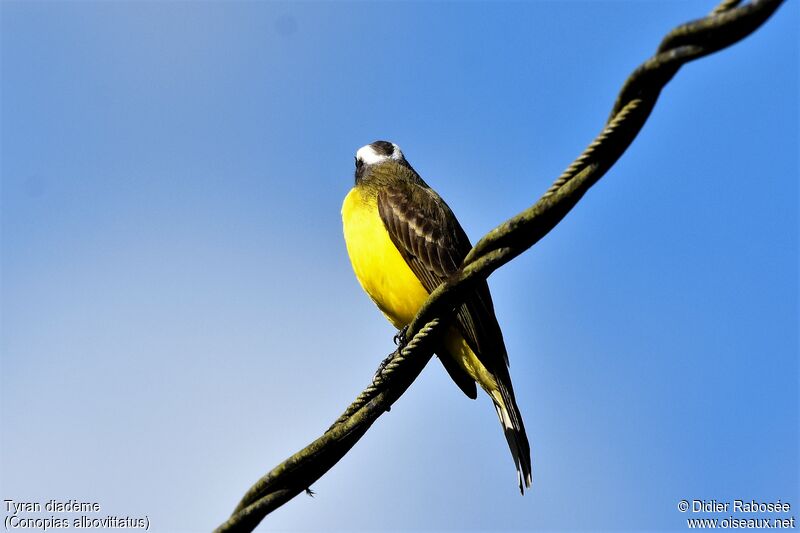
725 25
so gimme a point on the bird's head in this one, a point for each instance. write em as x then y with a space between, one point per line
377 153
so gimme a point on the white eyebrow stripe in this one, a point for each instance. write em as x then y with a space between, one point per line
369 156
397 154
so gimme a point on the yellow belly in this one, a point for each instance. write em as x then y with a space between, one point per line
389 281
379 267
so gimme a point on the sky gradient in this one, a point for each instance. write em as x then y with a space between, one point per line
179 313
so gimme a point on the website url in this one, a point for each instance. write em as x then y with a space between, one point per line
740 523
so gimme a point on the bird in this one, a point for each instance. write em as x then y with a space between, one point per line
403 241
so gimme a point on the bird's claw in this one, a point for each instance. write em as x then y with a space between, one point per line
400 338
383 364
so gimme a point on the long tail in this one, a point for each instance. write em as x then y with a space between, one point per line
514 429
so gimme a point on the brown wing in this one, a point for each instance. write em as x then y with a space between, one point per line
433 244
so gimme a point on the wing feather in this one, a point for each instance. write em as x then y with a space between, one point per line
434 244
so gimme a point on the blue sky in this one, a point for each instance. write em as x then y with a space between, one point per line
179 313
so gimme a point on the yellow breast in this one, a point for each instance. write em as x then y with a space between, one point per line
392 285
379 267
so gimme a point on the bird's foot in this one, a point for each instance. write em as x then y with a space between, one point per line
400 339
310 492
383 364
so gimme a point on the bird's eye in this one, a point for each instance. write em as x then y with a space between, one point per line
359 163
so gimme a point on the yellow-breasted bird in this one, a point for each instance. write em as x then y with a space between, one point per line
403 241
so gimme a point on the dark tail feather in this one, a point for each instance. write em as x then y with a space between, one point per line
511 420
